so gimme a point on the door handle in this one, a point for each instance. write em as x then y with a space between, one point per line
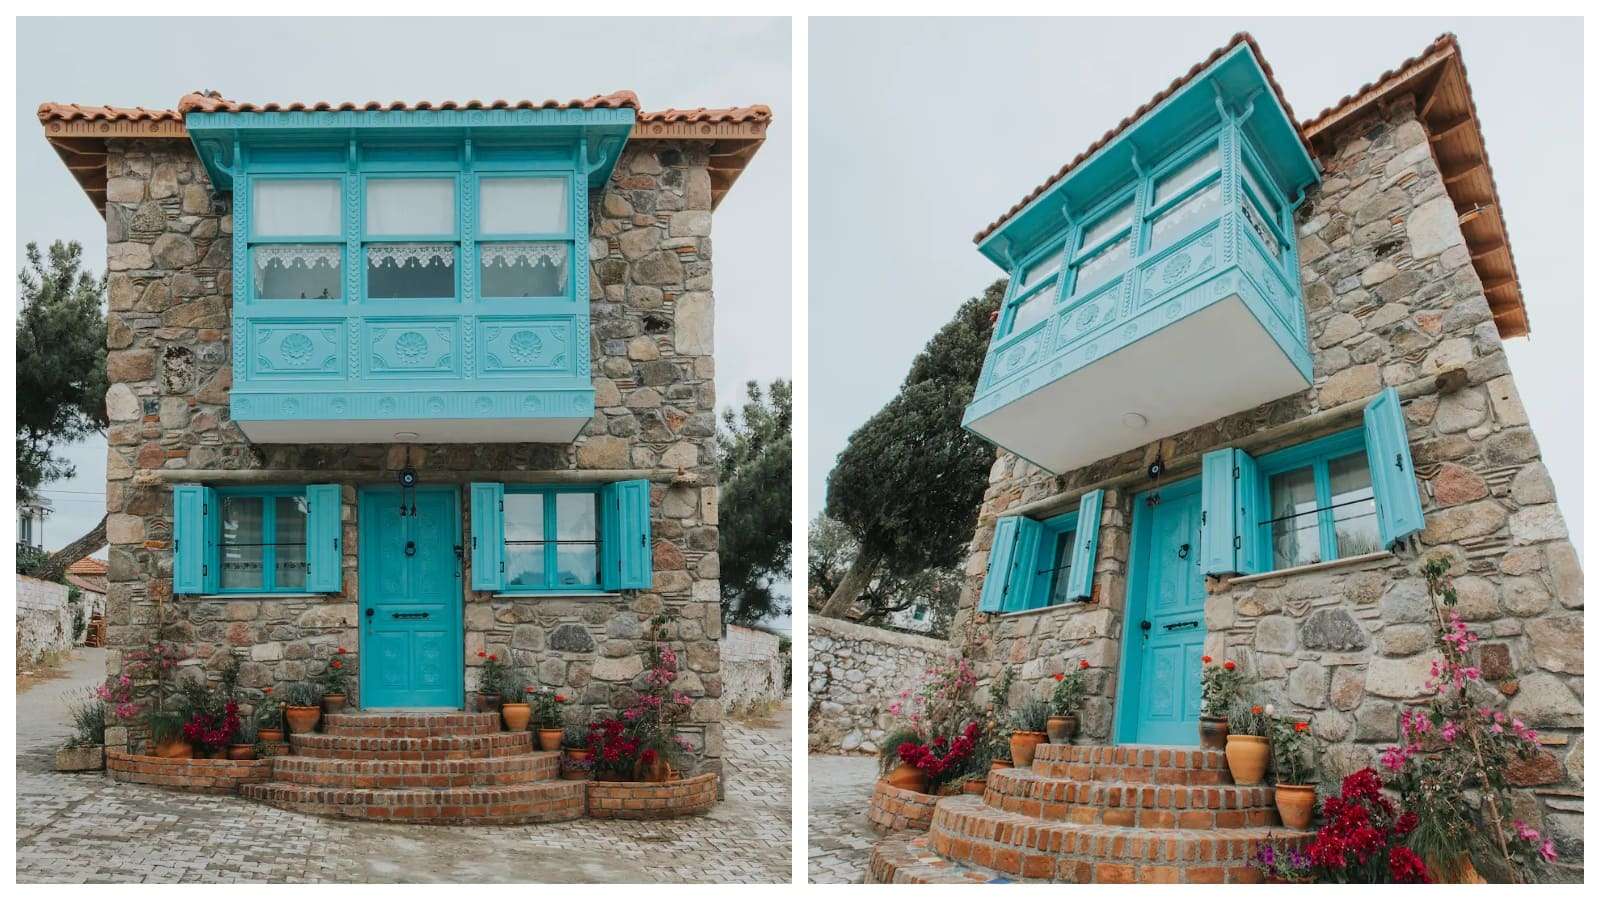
409 615
1172 626
369 612
1183 552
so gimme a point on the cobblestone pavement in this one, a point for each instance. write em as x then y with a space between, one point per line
87 828
840 839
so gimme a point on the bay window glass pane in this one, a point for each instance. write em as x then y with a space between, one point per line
1355 515
522 206
523 269
1106 226
298 271
1253 218
411 270
525 540
289 542
577 547
1102 266
411 206
1041 269
1174 183
243 541
283 208
1182 220
1061 571
1032 310
1260 192
1295 534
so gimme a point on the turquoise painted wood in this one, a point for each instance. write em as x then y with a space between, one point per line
1088 540
1219 532
1394 479
488 536
1001 550
627 557
324 539
1165 630
1020 592
411 600
191 568
467 355
1251 508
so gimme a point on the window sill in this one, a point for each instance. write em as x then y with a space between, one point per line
259 596
1311 567
1055 607
552 595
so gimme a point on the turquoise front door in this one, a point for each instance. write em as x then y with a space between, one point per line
411 600
1166 627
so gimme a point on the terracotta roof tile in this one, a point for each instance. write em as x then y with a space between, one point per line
1362 94
77 112
728 115
211 101
88 566
1242 37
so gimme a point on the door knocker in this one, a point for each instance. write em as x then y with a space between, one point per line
411 548
1183 552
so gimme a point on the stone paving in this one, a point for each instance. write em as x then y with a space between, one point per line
840 840
86 828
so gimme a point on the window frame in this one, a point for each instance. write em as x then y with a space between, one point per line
1017 295
1173 162
269 548
252 240
1316 454
1046 566
365 240
1072 264
482 239
1250 162
551 542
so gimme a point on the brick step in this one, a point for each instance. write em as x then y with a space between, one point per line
483 771
1143 805
412 724
540 801
1133 764
966 831
905 858
465 746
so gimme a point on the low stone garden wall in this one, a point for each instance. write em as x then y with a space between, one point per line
653 800
195 776
857 672
754 669
897 809
44 619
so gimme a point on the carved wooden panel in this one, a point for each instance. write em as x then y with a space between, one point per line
401 348
516 346
295 349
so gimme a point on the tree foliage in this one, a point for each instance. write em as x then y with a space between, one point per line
830 553
908 484
755 540
61 362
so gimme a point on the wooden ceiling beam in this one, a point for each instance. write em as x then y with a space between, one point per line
1440 134
1463 173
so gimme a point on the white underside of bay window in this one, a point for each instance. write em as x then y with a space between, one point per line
1207 365
417 431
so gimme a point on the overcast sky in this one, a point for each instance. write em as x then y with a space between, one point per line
924 131
668 62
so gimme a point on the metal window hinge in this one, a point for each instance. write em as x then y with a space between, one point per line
1237 543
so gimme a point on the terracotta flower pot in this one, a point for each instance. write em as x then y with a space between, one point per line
1213 732
550 739
516 715
572 770
302 719
1062 729
975 785
1023 745
332 703
657 770
488 702
173 748
1296 803
271 735
241 751
219 753
1247 758
908 777
999 764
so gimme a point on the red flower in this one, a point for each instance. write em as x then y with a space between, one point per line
341 651
529 690
492 657
561 698
1229 665
480 654
1255 710
266 690
337 664
1206 660
1060 675
1301 726
1083 664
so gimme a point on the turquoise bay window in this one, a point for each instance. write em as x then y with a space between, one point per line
558 539
524 236
410 238
271 540
1037 563
1336 497
296 241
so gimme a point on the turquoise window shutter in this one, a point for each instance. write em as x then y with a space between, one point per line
1250 555
1217 512
627 556
1000 554
1088 541
323 539
1024 559
1394 480
488 536
189 539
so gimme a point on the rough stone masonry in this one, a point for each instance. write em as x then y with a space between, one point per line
1391 297
170 298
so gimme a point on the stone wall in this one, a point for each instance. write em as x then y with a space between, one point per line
169 292
1391 299
856 673
44 619
754 669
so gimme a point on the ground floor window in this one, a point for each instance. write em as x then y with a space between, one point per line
1035 563
569 538
282 539
1320 505
552 538
262 544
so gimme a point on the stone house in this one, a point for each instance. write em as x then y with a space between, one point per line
1248 374
426 382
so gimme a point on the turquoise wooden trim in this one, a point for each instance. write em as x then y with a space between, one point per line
1129 672
1315 454
1218 528
1088 539
1394 477
269 530
324 539
1020 590
189 538
1001 550
488 536
629 564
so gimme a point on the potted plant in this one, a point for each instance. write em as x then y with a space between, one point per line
269 718
302 707
334 680
166 734
942 759
996 722
1281 863
516 715
494 672
546 716
1219 685
575 752
1247 749
1028 724
1294 767
894 768
243 744
1065 701
1366 838
85 751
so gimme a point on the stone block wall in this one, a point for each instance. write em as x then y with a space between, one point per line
856 673
170 297
1391 299
754 668
44 619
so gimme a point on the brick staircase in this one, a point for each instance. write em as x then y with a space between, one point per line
1088 814
429 768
